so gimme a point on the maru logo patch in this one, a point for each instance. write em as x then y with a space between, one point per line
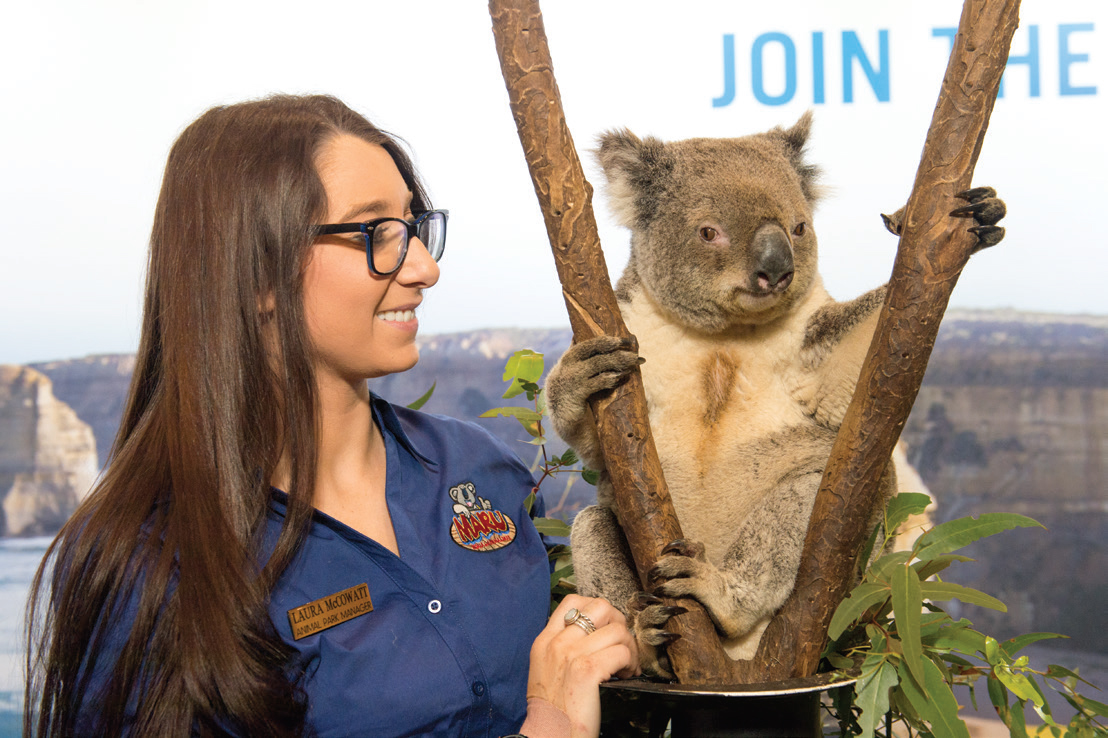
476 525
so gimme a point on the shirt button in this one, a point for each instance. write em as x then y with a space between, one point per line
478 688
434 606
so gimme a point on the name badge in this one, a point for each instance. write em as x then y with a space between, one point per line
329 611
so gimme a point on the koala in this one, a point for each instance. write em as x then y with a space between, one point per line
748 366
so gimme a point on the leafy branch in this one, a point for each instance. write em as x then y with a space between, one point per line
910 652
522 372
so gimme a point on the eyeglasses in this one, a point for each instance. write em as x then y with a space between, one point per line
386 239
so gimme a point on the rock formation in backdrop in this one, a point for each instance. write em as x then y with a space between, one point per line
47 455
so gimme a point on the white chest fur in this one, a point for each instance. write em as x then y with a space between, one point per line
713 403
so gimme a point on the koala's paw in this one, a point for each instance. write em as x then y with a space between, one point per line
894 223
986 209
585 369
649 616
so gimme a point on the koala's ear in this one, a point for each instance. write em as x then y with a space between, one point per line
637 170
794 141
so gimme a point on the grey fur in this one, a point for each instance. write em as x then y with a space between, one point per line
748 373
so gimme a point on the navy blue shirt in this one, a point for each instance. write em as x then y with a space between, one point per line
444 650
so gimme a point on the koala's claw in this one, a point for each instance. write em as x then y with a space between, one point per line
642 600
974 194
986 209
682 547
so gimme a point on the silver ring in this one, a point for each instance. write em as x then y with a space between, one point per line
580 619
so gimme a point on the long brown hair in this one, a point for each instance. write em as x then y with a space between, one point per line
155 591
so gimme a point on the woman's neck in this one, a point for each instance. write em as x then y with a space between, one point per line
351 464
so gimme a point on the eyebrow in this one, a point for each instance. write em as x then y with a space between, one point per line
373 207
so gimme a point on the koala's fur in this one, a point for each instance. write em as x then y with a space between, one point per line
749 368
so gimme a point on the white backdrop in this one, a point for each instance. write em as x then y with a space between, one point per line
95 91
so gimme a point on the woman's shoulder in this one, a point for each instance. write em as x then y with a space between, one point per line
427 432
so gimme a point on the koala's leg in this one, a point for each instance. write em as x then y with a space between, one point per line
759 569
585 369
603 568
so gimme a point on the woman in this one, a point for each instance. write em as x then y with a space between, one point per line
272 550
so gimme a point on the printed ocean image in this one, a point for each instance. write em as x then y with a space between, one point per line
19 557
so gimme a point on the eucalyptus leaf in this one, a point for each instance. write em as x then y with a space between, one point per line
998 695
928 569
862 598
529 502
878 677
417 404
839 661
992 651
1058 672
942 591
882 568
902 507
1017 684
552 527
907 604
569 458
591 476
1012 646
961 639
933 700
955 534
1097 708
523 367
1016 722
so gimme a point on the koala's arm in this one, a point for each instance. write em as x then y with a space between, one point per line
585 369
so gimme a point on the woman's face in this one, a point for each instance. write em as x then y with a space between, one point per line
361 324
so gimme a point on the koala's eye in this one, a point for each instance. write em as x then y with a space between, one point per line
799 230
708 233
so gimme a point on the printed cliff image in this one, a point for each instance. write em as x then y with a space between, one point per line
47 455
1012 417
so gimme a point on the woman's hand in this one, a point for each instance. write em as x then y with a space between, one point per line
568 663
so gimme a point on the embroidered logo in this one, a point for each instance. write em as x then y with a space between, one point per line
476 525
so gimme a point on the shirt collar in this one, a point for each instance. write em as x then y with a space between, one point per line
388 422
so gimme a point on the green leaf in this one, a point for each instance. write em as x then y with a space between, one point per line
423 400
552 527
955 534
591 476
1058 672
998 695
907 605
878 677
862 598
942 591
992 652
839 661
934 701
961 639
1017 684
928 569
1016 722
527 417
902 507
1012 646
529 502
569 458
880 571
867 551
1088 705
524 366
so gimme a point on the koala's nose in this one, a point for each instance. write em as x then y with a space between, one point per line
772 259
